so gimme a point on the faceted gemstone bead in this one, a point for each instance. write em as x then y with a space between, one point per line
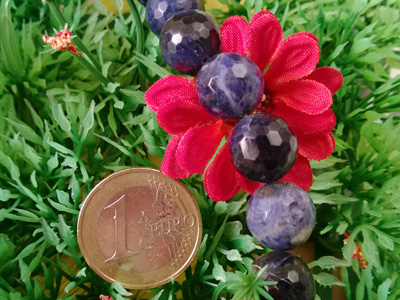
159 11
294 278
262 147
230 86
188 40
281 215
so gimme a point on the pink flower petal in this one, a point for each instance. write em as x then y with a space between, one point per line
170 165
179 115
308 96
260 14
296 57
329 77
302 122
300 173
265 38
198 146
220 178
311 35
247 185
316 146
170 88
234 35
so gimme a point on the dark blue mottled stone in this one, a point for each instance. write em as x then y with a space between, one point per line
294 278
159 11
262 147
188 40
281 215
230 86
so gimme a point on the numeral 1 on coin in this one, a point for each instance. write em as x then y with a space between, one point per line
121 249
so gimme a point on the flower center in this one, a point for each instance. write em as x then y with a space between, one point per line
266 105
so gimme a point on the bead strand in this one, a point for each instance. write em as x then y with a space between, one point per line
262 147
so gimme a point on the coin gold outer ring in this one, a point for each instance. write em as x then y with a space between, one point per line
96 201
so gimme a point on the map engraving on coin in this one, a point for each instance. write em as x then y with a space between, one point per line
139 227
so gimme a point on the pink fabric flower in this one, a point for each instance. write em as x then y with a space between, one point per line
294 91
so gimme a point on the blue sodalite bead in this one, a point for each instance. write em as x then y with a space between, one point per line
230 86
159 11
188 40
281 215
262 147
294 279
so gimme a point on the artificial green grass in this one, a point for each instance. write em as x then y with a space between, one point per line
68 121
